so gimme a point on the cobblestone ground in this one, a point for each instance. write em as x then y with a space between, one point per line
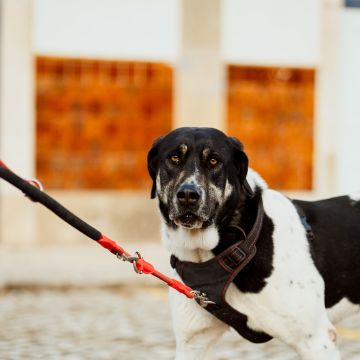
106 324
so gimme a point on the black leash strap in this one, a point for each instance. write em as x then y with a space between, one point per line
141 266
39 196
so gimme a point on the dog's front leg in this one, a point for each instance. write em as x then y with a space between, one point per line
196 330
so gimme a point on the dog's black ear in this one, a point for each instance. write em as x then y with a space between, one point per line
153 164
242 162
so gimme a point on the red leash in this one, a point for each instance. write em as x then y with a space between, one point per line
33 189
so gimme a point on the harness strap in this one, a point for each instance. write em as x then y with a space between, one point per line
243 251
215 275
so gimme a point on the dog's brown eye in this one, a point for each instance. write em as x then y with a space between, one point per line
213 162
175 159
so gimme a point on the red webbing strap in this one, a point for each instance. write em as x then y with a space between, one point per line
145 267
29 189
3 165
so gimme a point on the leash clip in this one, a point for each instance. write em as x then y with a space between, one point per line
132 258
37 184
201 298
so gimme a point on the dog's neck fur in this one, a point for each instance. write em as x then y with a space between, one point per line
196 245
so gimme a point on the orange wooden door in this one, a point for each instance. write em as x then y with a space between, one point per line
271 110
96 121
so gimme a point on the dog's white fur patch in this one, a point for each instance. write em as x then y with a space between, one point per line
228 190
254 180
196 331
190 245
162 194
221 195
183 148
355 196
193 179
252 177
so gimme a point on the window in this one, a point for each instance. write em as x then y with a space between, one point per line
97 119
271 110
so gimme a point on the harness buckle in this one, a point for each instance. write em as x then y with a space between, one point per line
235 257
201 298
36 183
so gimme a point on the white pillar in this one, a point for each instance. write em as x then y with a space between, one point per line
326 100
16 117
200 73
347 162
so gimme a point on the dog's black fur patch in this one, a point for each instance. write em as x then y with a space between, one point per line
335 247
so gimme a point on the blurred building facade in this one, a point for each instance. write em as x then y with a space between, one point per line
87 85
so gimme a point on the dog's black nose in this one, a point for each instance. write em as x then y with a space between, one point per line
188 194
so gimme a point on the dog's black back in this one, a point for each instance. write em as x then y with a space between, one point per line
335 247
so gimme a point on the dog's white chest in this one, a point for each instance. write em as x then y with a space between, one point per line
190 245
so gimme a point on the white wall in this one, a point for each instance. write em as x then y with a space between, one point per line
17 219
276 32
326 100
16 87
348 92
126 29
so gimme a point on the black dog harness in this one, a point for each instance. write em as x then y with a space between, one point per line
214 276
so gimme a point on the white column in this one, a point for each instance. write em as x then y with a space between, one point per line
200 73
16 118
347 162
326 100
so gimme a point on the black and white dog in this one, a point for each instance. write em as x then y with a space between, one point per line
295 286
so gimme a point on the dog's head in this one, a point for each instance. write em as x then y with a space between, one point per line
194 172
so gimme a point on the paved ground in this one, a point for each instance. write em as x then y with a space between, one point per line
104 324
81 303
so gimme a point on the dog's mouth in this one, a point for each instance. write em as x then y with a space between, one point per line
188 220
